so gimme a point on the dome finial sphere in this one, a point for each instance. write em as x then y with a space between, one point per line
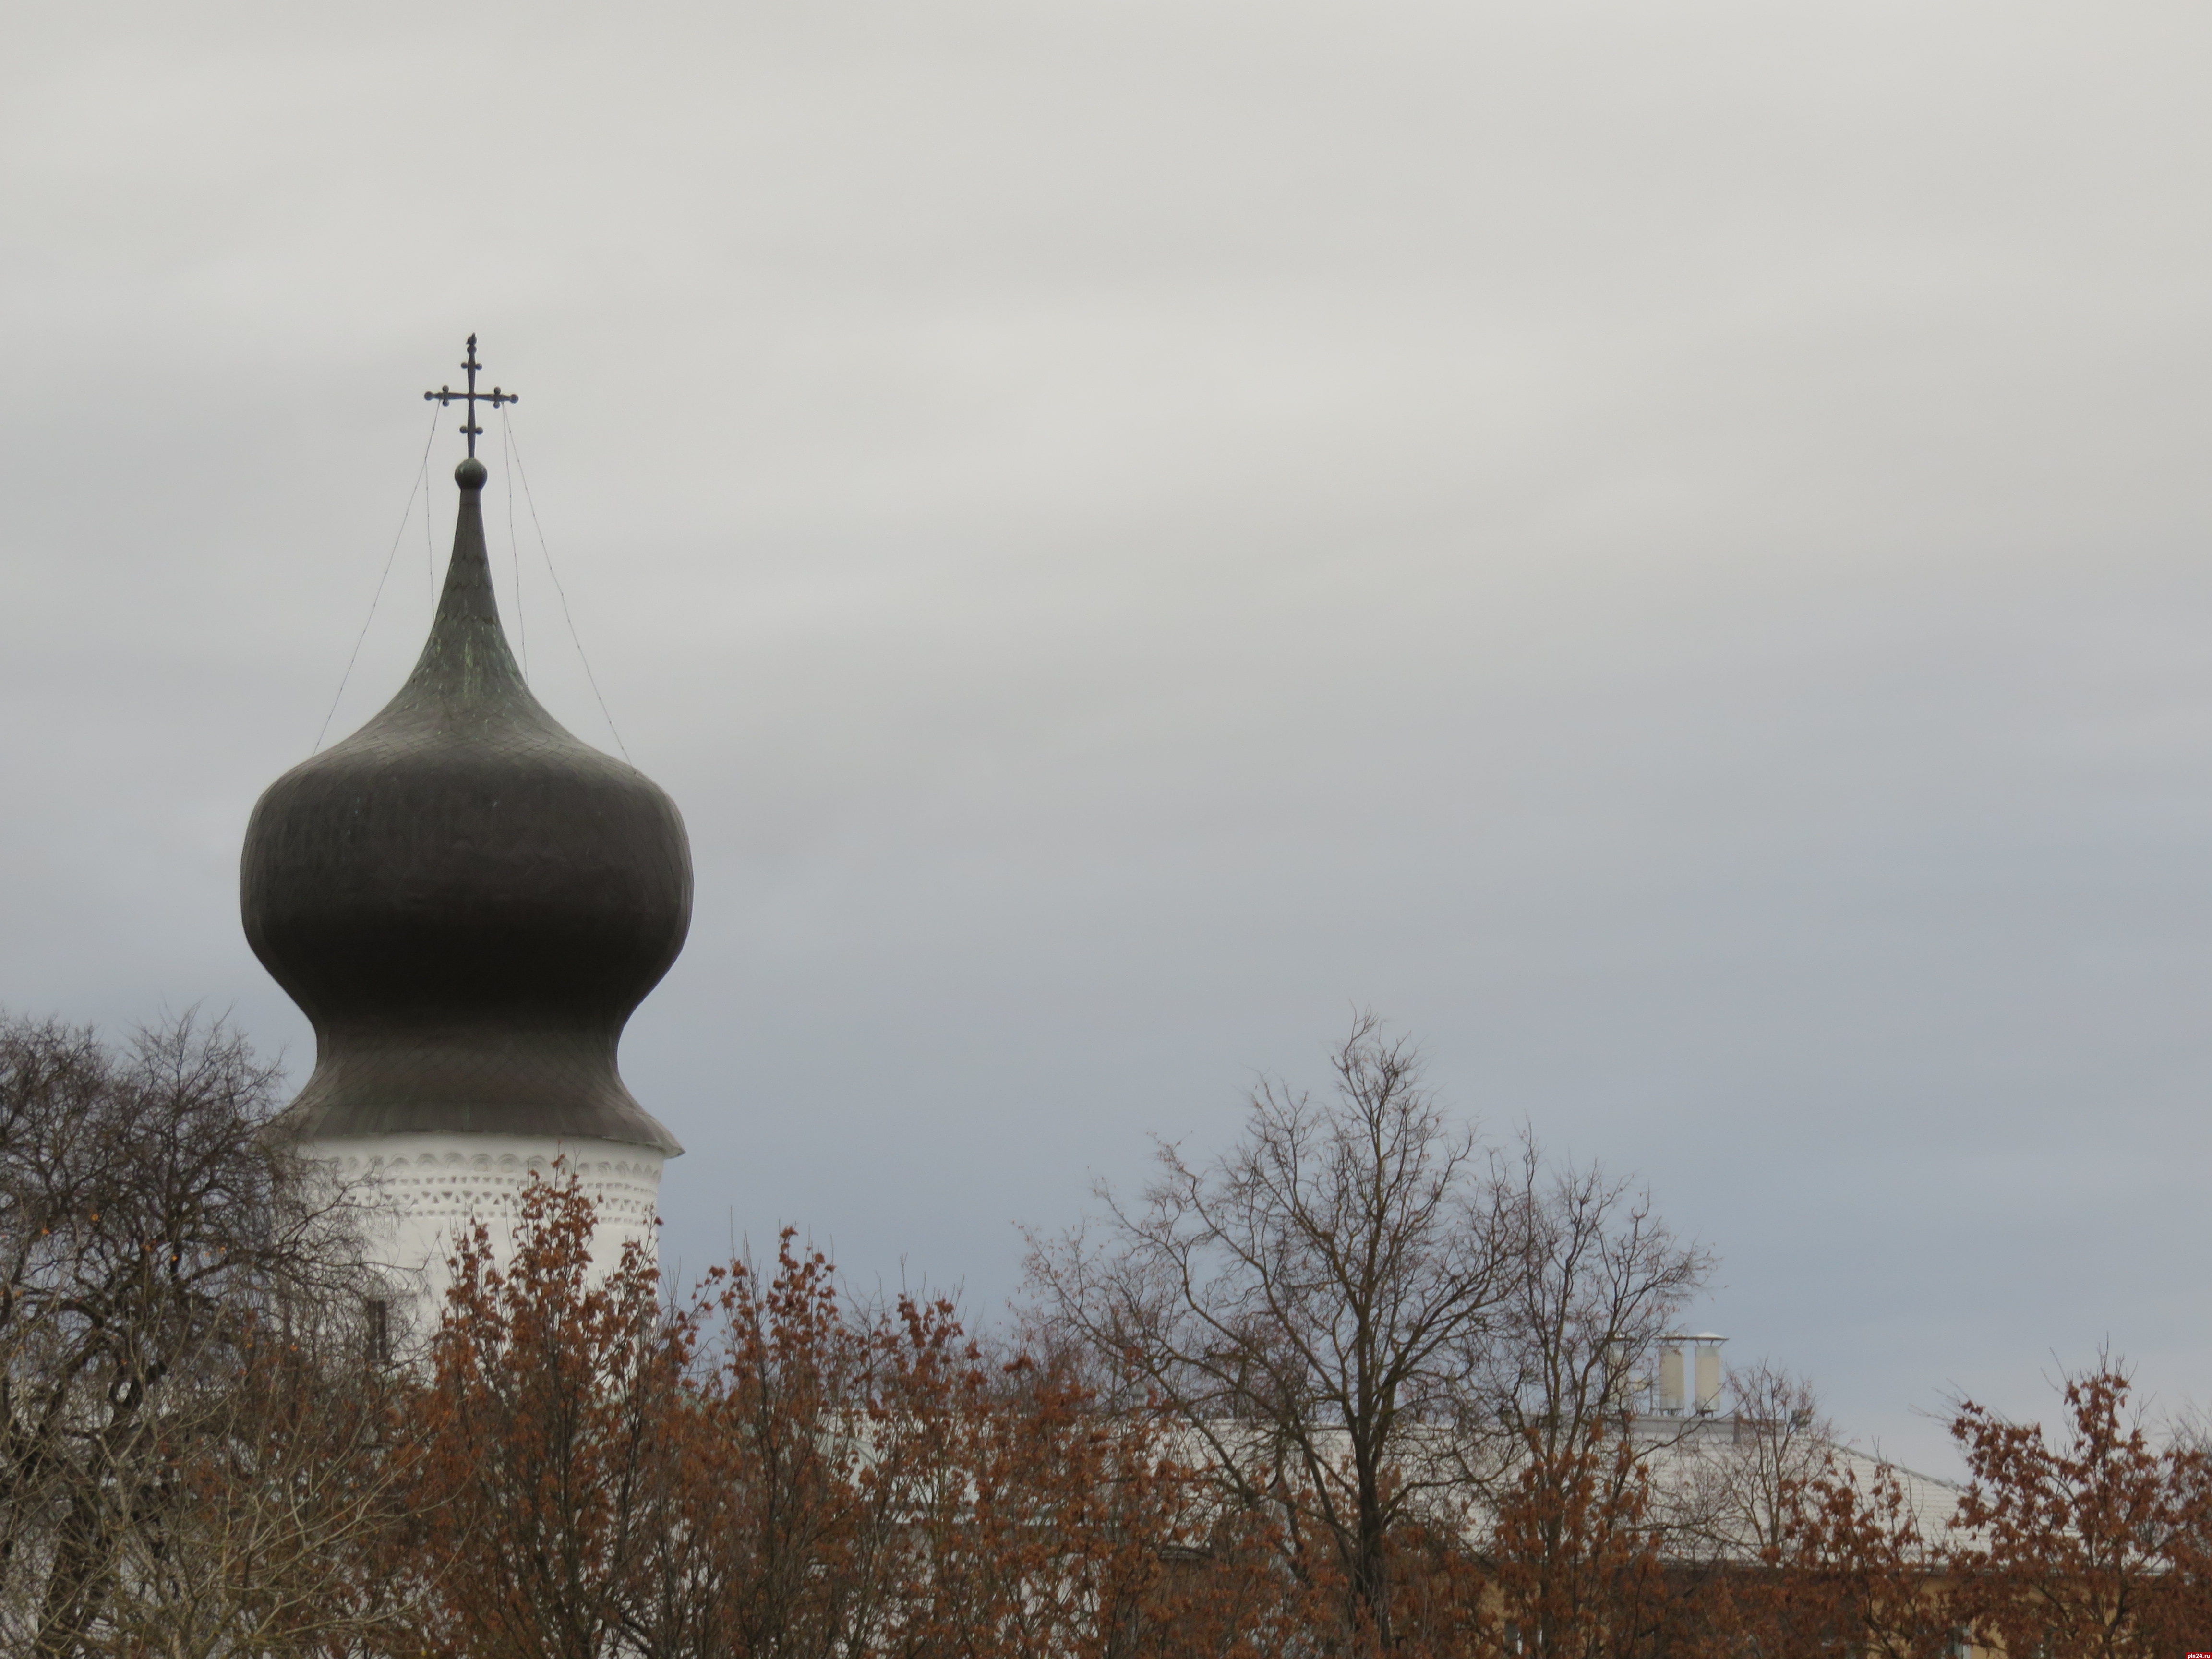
470 474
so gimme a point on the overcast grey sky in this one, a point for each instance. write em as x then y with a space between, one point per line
1662 546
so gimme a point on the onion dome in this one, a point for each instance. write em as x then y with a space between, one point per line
467 901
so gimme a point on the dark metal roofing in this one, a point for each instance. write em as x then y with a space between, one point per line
468 902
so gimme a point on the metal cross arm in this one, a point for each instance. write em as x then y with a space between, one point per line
471 397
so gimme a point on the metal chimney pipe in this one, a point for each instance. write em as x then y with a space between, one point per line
1709 1369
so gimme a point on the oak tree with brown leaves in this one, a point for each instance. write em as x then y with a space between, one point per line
2086 1544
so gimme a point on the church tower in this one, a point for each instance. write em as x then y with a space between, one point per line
469 902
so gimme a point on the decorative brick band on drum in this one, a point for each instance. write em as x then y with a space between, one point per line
423 1190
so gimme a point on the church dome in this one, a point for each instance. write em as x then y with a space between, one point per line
467 902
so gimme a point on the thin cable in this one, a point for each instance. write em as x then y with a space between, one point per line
421 478
429 548
513 549
531 501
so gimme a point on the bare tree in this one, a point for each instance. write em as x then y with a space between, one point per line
266 1525
1312 1301
156 1244
1737 1498
1596 1280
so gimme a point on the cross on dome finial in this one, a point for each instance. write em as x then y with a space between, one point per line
446 394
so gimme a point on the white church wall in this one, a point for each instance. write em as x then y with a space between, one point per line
423 1190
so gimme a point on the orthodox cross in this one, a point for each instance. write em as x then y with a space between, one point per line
446 394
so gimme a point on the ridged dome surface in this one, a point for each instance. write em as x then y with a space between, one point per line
466 901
